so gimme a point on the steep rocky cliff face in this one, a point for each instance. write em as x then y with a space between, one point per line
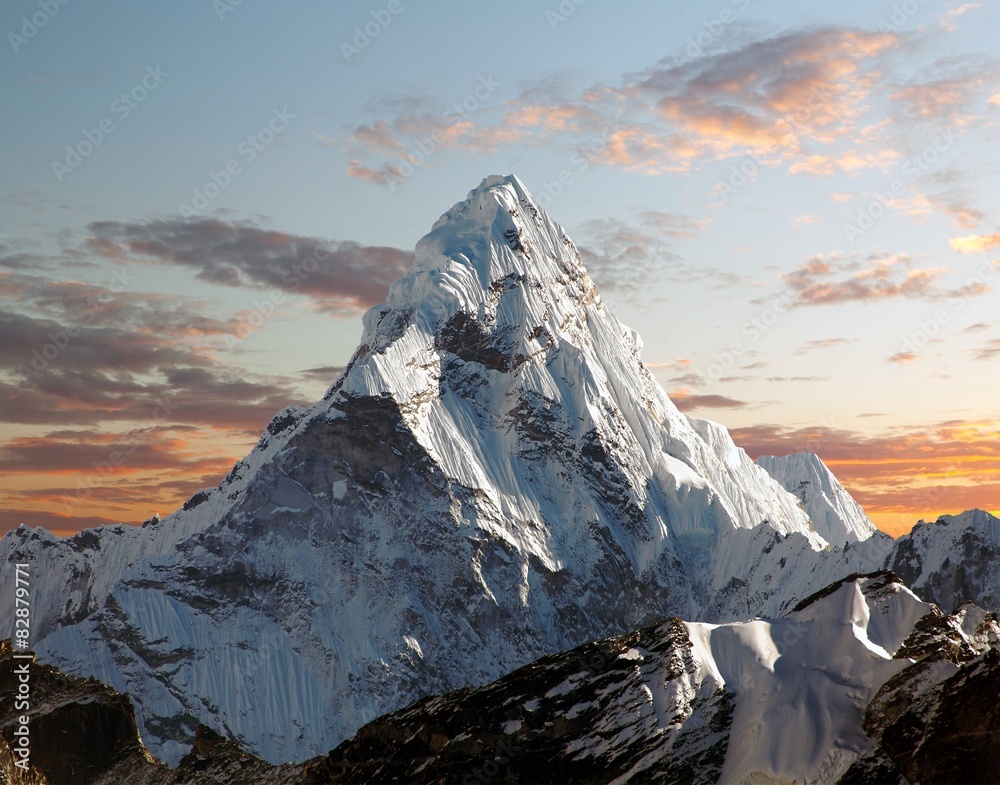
938 721
953 560
80 731
83 732
495 477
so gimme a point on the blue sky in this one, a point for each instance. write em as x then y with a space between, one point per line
793 206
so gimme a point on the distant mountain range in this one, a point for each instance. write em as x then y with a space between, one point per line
495 478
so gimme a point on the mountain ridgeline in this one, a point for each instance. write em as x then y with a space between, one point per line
494 478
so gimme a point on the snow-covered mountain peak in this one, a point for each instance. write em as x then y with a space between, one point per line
838 518
879 604
952 559
495 241
856 626
495 476
495 284
972 519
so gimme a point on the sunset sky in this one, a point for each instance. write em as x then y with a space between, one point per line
796 206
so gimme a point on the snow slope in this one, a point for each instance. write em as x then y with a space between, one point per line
784 700
495 477
803 682
829 506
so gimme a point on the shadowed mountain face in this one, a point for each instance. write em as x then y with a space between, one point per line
953 560
82 732
79 729
495 477
861 684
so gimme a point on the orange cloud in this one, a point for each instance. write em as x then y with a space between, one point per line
821 281
943 98
953 96
72 480
975 243
811 99
903 474
686 402
486 140
638 149
382 176
378 136
948 19
848 162
551 118
773 96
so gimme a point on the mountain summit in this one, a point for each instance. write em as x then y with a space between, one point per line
495 477
832 510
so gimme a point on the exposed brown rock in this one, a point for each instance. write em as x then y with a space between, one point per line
79 729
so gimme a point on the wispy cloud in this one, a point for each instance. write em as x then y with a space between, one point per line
823 343
688 402
384 175
338 276
989 351
818 101
949 20
627 256
825 280
769 96
72 452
